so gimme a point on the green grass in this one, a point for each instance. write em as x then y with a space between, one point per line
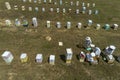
17 40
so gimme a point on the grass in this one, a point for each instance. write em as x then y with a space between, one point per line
17 40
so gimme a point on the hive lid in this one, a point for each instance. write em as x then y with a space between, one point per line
90 21
79 23
6 53
38 56
107 25
69 50
112 47
92 45
93 54
98 25
34 18
23 55
60 43
52 57
48 21
68 22
58 22
88 38
115 24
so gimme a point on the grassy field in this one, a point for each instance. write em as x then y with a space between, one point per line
18 40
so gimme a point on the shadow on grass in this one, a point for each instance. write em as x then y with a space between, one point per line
77 56
117 58
62 57
103 55
79 46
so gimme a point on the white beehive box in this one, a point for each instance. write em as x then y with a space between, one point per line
48 24
51 9
30 8
64 10
7 57
58 25
83 8
98 26
8 22
90 22
43 9
115 26
7 4
96 12
69 55
30 1
93 5
34 22
83 4
50 1
89 12
24 0
36 9
68 25
15 7
110 58
77 11
110 49
77 3
17 22
88 4
58 10
39 58
52 59
79 25
23 8
71 3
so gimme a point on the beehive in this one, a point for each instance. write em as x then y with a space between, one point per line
23 57
79 25
7 57
110 58
34 22
68 25
52 59
69 55
39 58
58 25
7 4
48 24
82 56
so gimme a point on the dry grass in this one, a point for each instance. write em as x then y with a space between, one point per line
18 40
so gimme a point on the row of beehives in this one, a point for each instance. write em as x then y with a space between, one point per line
61 2
57 10
58 24
92 55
